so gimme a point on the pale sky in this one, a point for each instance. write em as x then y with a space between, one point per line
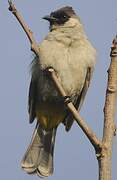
74 155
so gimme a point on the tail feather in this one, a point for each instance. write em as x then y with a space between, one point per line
30 160
39 155
45 167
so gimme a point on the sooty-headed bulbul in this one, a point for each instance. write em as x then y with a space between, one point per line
68 51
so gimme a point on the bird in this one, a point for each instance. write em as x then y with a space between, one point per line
67 50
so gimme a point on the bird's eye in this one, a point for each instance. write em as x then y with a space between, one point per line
65 16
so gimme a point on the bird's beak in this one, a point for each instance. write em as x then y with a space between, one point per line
49 18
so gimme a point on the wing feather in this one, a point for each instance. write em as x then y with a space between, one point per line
69 119
32 100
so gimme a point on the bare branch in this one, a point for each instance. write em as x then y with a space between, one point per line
89 133
105 163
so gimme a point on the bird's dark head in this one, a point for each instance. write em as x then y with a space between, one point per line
60 16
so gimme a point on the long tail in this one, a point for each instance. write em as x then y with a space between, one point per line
39 155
